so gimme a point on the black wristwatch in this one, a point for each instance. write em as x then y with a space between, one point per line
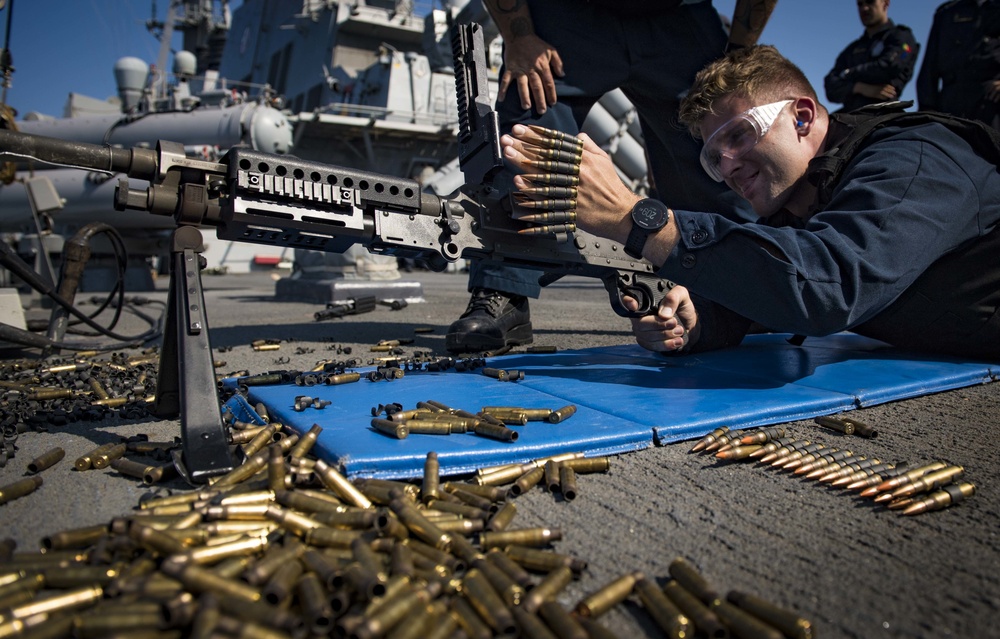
648 217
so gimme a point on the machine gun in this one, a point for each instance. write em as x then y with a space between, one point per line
262 198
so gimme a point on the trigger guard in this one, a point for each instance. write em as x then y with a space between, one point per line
640 294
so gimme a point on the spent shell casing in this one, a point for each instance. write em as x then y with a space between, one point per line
46 460
743 624
548 588
487 601
104 458
86 461
339 484
947 496
492 431
553 179
548 229
607 597
512 569
399 430
531 625
567 482
531 537
561 621
430 486
560 204
74 538
538 560
74 599
501 519
561 414
526 481
551 476
19 489
839 425
787 621
585 465
692 581
664 612
703 618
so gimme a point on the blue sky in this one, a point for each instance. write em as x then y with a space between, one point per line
64 46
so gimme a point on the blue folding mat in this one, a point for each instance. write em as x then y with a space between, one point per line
626 399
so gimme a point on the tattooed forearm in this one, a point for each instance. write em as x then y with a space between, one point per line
749 19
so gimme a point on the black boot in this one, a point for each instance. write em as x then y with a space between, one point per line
491 321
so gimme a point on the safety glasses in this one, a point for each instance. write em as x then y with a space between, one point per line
737 136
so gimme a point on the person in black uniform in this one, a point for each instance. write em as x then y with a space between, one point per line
875 67
960 73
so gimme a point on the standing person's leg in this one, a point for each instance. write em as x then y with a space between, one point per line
666 52
498 312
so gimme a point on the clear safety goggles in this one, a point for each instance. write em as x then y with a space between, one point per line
737 136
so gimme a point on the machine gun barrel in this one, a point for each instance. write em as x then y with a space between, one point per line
138 163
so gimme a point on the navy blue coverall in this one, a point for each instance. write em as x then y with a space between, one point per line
914 221
961 59
886 57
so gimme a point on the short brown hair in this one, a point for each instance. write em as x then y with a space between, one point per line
758 73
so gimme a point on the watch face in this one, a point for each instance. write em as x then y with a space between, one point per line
650 214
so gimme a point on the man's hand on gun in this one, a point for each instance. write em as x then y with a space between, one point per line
602 202
673 327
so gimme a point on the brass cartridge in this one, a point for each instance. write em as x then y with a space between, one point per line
567 482
762 436
198 580
430 486
929 482
526 481
433 426
419 525
551 476
500 433
101 623
46 460
907 477
279 587
693 582
491 493
743 624
380 622
943 498
539 560
502 518
74 538
469 620
708 439
71 600
788 622
86 461
509 590
399 430
607 597
340 485
530 625
513 570
315 605
562 623
561 414
839 425
530 537
104 458
477 589
548 588
704 619
664 612
19 489
738 452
